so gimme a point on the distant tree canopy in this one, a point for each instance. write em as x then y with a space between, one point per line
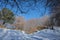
6 15
55 18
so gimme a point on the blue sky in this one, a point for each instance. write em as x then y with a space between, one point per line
35 14
34 11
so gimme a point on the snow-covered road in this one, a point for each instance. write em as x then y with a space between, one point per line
46 34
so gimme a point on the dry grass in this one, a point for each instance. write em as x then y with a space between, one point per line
34 29
31 30
1 26
40 27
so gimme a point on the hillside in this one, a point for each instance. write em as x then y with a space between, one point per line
46 34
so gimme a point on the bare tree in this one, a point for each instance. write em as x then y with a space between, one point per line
19 23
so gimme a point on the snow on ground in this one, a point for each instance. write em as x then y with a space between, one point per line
46 34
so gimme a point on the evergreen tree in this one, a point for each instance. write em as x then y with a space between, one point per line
6 15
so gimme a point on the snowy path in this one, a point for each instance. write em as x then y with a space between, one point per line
7 34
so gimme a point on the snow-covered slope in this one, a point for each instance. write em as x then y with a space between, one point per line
46 34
